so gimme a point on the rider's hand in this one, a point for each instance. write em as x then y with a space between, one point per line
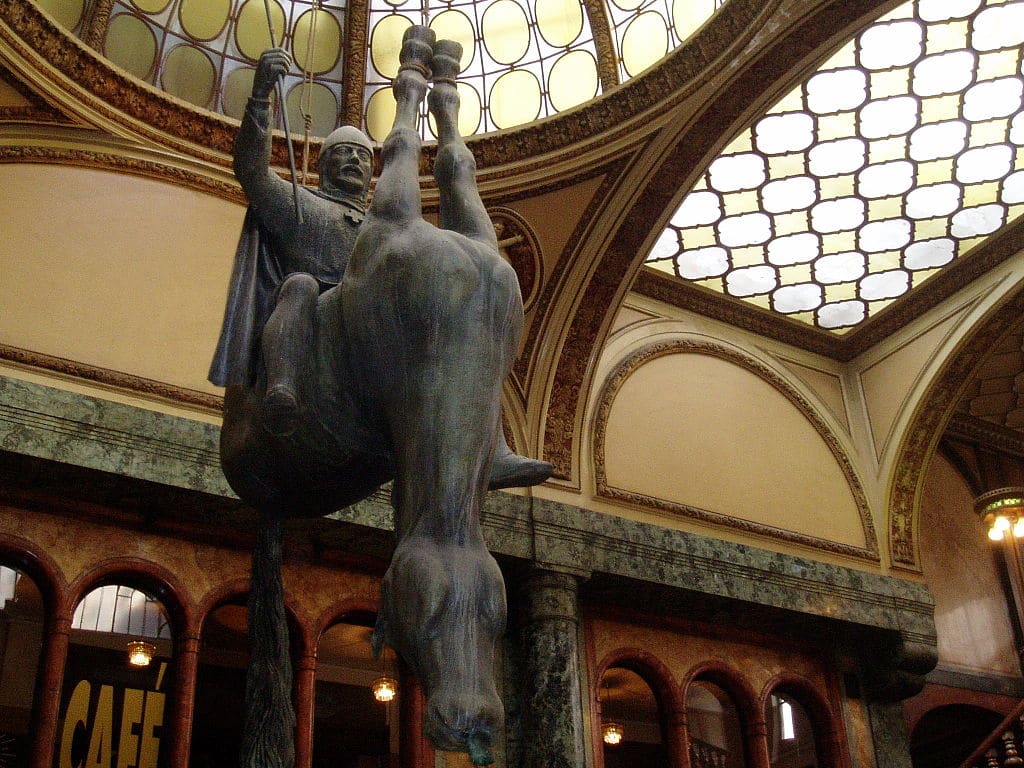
274 62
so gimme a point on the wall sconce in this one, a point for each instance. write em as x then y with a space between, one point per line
1002 512
611 733
384 689
140 653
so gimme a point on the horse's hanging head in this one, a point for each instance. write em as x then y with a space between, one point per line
444 611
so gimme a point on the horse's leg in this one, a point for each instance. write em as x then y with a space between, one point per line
287 343
462 210
396 198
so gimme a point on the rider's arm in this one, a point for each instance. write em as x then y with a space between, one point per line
266 191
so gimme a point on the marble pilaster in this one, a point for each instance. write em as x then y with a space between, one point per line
549 659
889 734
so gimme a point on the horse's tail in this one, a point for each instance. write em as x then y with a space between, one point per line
268 736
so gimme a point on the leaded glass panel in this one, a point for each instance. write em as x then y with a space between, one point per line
900 154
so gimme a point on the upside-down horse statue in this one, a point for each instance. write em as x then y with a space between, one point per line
363 345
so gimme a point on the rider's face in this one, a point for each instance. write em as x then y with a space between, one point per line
348 168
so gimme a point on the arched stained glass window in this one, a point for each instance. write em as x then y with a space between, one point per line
520 60
900 154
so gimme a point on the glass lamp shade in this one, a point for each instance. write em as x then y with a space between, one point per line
384 689
1002 512
140 653
611 733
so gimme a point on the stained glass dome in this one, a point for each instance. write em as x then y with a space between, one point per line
522 59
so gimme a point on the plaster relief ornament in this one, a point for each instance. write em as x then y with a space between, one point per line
362 344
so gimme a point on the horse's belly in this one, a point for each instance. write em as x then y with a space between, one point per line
306 474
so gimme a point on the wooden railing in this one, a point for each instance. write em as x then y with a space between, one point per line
1004 748
704 755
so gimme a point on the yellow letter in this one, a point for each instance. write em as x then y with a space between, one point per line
128 746
154 719
77 712
102 739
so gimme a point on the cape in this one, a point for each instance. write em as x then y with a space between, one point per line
255 279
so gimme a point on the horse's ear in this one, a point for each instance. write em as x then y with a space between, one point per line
379 636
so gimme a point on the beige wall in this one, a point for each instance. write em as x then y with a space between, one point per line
960 566
698 430
115 271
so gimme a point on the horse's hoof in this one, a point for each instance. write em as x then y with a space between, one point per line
417 50
280 411
479 752
446 62
515 471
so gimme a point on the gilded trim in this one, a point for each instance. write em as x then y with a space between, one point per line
604 43
121 164
97 21
923 436
357 16
525 365
631 364
114 379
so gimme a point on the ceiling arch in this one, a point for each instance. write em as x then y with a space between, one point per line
760 75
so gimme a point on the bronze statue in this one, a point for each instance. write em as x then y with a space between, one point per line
381 357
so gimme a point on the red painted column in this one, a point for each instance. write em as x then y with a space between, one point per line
757 741
414 749
305 699
675 740
186 668
56 641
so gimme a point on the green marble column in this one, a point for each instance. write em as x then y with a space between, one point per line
547 635
889 734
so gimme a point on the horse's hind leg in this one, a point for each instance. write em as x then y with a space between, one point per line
396 198
463 211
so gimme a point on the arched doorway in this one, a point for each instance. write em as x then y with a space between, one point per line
948 734
631 721
21 638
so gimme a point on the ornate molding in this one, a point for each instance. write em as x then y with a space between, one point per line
604 43
927 428
356 45
631 364
518 243
121 164
36 111
703 301
550 288
983 433
114 379
96 23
